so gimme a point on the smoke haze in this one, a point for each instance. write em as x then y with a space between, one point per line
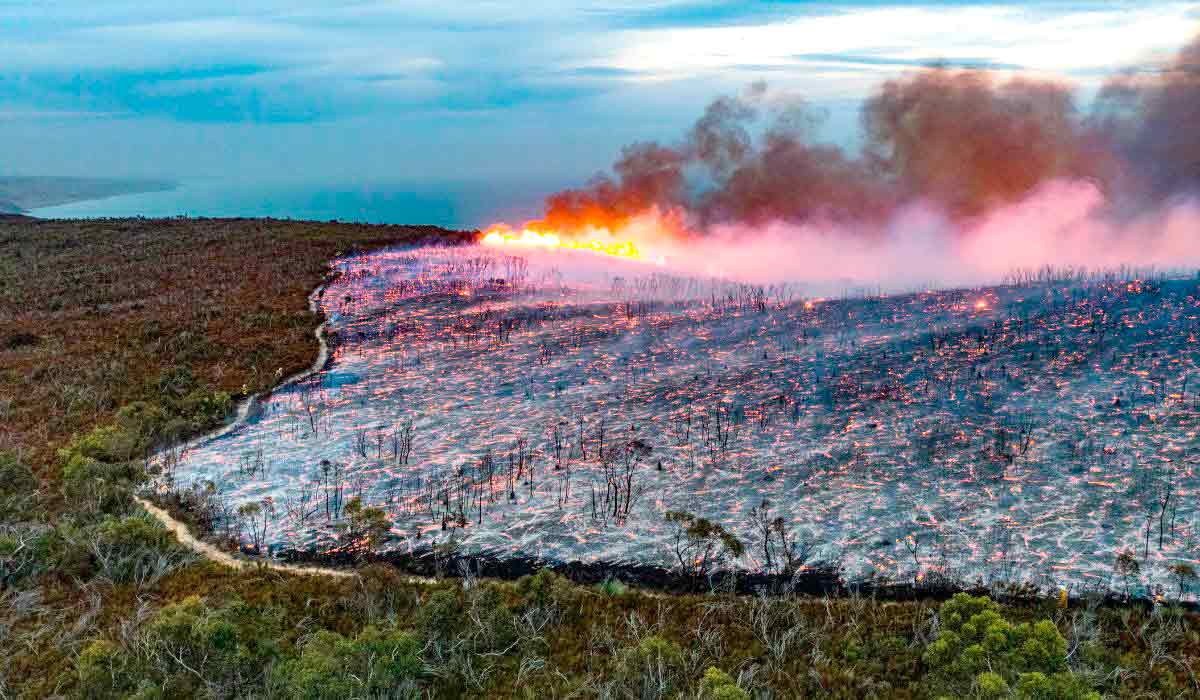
964 178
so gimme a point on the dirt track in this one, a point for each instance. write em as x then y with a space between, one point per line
205 549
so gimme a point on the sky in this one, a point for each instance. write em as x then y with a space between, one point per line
539 91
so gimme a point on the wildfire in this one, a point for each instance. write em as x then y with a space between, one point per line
502 235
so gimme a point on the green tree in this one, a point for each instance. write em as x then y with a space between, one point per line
363 529
700 545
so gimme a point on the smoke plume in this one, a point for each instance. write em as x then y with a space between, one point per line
1153 122
970 144
750 158
964 178
961 142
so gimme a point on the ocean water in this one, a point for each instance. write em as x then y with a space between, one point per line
450 204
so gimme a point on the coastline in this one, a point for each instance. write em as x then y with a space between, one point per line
26 195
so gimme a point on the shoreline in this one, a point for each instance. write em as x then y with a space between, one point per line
22 195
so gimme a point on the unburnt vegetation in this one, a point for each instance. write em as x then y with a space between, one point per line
98 601
178 314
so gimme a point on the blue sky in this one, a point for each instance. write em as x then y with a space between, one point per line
541 91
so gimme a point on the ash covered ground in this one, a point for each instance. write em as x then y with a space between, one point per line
558 404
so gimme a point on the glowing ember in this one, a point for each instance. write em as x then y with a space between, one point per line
900 435
503 235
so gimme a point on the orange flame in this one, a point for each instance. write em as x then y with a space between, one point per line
529 236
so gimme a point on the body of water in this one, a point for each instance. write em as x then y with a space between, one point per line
453 205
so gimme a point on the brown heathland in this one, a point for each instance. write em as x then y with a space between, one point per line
92 313
112 330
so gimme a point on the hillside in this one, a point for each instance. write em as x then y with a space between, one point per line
94 313
970 434
125 333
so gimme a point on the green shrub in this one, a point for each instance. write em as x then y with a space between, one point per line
493 626
18 489
66 550
146 690
991 685
545 588
978 649
1058 686
612 587
375 663
21 553
439 616
100 469
363 528
142 423
657 649
852 651
133 533
103 670
176 381
655 667
718 685
96 488
223 650
205 409
111 443
135 548
126 549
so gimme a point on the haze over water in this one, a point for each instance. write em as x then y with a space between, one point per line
459 205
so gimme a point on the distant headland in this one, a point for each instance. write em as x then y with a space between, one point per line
19 194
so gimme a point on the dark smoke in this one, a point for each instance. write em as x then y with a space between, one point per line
957 139
970 144
648 175
790 179
721 172
1154 124
720 138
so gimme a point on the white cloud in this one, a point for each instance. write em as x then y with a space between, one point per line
469 87
1066 43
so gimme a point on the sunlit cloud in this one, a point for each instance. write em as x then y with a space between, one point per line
1001 36
492 79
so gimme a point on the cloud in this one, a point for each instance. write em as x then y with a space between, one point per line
724 13
476 88
897 62
304 62
315 61
1081 37
51 115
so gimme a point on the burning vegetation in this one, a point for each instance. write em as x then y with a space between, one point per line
645 381
572 407
598 397
965 144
